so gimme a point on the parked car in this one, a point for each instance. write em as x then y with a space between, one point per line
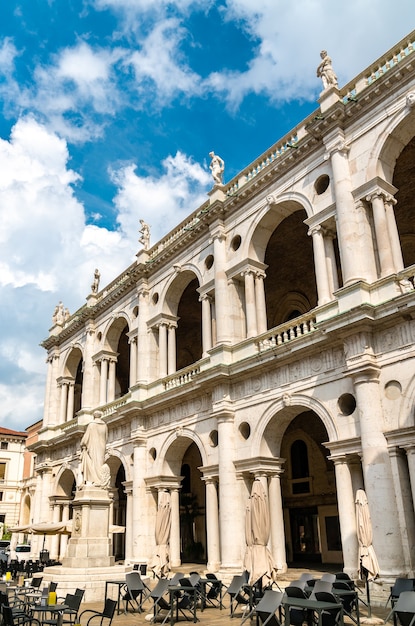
22 552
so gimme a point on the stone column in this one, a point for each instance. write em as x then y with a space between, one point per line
410 455
133 361
129 523
347 515
103 382
171 349
141 541
143 365
377 472
64 401
48 391
331 262
382 235
162 350
400 475
111 380
175 528
89 392
351 249
221 286
230 521
250 304
212 525
389 202
322 279
261 310
277 522
64 538
70 404
206 323
54 544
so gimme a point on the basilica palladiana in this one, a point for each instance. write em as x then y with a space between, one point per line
270 335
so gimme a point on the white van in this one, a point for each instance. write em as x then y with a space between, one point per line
22 552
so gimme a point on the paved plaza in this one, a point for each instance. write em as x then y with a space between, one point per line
217 617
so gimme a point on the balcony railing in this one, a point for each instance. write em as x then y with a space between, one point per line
287 332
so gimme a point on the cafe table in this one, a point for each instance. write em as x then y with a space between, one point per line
315 606
121 586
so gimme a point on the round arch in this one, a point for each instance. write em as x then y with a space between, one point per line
390 143
113 331
173 449
173 290
288 407
269 218
115 459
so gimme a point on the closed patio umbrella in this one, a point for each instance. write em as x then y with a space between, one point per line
262 564
161 562
248 538
367 557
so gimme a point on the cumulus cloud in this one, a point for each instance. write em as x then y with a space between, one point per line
48 252
290 37
160 62
162 201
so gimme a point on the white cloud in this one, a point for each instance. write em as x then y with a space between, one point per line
164 201
76 91
48 253
290 37
160 62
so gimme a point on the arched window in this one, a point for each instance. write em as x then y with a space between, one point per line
299 467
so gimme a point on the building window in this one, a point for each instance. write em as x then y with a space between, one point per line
2 471
4 445
1 498
299 468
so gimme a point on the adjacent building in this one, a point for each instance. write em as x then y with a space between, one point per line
270 335
12 452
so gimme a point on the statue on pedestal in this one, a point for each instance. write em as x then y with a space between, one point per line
93 469
95 282
325 71
145 235
217 167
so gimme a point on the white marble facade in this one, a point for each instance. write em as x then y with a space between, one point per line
272 335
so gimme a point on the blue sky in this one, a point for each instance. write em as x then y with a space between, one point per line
108 111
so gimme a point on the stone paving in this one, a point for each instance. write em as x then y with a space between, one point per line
217 617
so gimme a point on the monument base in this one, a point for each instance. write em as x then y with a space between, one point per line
91 579
90 544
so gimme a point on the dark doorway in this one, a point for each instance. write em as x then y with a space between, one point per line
305 535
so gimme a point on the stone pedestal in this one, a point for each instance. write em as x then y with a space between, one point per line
90 543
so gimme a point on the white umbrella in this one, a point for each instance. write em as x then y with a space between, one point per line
367 557
161 562
262 564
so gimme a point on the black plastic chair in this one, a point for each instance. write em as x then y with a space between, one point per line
137 592
400 585
238 593
404 609
330 617
266 609
21 619
160 603
297 616
213 588
347 597
345 578
103 618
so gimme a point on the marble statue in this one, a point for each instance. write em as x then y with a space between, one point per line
95 282
93 444
58 316
325 71
145 235
217 167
